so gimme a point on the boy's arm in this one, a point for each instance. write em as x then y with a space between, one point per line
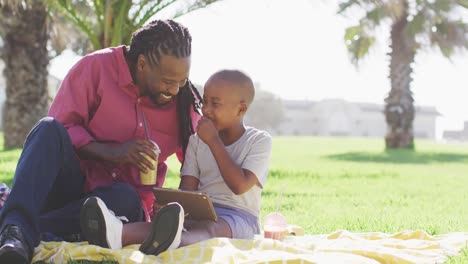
188 183
190 171
237 179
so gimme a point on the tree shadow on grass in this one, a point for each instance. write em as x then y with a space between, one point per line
9 158
401 156
9 155
2 150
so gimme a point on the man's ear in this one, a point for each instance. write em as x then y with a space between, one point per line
141 62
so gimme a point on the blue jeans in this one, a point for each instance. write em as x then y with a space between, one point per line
47 192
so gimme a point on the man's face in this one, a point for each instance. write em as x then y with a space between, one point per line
221 104
162 82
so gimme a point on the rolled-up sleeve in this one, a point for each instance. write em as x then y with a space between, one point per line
76 101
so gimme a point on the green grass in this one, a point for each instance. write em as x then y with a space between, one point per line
354 184
351 183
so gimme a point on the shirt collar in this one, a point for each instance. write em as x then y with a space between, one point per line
125 78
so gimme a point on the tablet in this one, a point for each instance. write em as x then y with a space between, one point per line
197 206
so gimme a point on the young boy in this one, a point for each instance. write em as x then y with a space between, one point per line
225 159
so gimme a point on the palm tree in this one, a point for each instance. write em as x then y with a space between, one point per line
26 26
23 28
111 22
414 25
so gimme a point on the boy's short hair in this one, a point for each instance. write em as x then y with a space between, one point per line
239 79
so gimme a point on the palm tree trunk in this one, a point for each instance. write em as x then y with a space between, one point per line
399 109
26 59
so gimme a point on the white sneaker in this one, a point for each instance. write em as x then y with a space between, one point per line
99 225
166 230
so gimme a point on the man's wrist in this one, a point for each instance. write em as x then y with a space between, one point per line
97 150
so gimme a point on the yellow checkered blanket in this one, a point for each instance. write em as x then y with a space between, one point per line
337 247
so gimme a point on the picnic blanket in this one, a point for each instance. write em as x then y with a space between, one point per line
338 247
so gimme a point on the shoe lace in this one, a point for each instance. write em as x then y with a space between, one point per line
11 231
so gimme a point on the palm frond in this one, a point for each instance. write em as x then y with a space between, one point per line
194 6
420 23
441 8
358 43
450 35
441 5
108 21
463 3
69 11
120 22
141 5
99 9
112 22
344 6
375 16
153 9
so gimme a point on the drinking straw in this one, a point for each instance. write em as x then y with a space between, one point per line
145 126
280 198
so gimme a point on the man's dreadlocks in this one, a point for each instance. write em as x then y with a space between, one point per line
167 37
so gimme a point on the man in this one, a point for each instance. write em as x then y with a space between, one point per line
94 141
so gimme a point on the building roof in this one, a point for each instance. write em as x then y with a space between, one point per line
365 107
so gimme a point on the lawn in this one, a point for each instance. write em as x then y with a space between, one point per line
330 184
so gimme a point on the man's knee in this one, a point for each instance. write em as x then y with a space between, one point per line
127 191
49 126
124 201
49 123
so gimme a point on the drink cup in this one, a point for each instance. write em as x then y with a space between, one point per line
275 226
149 177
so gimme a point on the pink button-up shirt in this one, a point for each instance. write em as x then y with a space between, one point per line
98 101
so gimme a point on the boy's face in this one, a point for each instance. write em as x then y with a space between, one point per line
162 82
222 104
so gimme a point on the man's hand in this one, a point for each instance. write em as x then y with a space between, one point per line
131 153
206 130
126 153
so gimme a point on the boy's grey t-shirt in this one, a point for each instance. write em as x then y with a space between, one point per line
251 151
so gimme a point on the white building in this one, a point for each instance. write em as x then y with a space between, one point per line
336 117
457 135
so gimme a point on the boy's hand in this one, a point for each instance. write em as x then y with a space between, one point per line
206 130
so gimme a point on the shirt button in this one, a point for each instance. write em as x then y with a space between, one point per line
141 124
114 175
138 100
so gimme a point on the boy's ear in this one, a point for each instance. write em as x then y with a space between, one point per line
243 108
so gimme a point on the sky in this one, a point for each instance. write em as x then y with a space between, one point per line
295 49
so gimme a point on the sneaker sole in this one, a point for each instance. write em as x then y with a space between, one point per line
92 223
165 230
11 256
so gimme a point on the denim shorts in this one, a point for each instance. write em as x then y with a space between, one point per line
244 225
